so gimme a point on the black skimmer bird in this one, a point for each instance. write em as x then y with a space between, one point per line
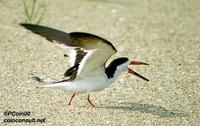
88 71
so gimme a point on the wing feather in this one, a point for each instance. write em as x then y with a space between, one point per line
92 51
51 34
98 51
77 58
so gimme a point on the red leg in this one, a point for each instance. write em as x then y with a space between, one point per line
88 98
71 99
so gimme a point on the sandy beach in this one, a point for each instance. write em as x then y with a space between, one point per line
164 34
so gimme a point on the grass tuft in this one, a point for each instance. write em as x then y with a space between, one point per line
2 2
34 13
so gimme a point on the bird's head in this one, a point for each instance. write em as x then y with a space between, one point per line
122 64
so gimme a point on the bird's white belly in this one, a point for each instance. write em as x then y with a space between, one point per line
89 84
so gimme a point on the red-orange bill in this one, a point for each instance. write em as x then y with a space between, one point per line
137 74
134 62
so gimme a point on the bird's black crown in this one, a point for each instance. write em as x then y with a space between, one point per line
110 70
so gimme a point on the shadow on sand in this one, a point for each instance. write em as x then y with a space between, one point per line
152 109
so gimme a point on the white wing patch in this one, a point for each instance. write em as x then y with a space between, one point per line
84 61
95 59
72 57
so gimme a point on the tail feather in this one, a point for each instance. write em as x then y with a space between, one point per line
49 82
55 85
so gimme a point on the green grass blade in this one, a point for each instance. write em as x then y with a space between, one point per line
43 12
26 11
32 10
36 13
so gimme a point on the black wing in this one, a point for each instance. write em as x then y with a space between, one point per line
99 48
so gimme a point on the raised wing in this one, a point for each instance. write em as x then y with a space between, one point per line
51 34
96 50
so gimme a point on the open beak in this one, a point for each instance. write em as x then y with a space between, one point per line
135 73
138 63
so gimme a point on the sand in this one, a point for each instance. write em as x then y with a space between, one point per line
163 33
